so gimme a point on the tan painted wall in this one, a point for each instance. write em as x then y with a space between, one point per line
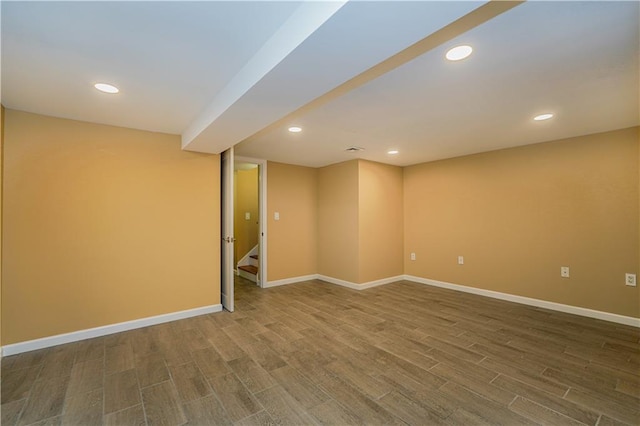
381 231
103 225
338 217
518 215
246 201
292 191
1 179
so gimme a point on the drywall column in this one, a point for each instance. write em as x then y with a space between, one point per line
360 221
381 230
338 217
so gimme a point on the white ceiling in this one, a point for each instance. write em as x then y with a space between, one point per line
225 73
169 59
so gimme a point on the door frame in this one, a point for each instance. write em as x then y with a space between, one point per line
226 230
262 209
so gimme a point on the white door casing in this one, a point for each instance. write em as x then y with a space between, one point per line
226 248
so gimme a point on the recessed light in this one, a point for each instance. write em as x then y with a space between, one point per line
295 129
543 117
106 88
459 52
393 152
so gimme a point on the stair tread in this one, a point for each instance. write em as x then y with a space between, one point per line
254 256
249 268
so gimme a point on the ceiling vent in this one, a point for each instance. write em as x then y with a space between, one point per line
354 149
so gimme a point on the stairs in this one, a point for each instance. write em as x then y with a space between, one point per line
250 271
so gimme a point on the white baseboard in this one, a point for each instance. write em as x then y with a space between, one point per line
45 342
75 336
362 286
335 281
576 310
293 280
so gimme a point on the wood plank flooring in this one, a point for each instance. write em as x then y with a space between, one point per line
315 353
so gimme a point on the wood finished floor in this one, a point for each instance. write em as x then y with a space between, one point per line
315 353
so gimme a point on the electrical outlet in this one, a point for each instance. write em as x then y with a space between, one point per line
630 279
413 256
460 260
564 271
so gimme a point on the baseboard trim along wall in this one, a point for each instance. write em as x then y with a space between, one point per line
90 333
362 286
335 281
576 310
293 280
75 336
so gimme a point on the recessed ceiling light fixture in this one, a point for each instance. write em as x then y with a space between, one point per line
543 117
295 129
393 151
106 88
458 53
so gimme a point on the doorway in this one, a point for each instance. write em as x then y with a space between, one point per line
248 196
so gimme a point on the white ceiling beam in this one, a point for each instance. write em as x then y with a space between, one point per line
302 23
348 43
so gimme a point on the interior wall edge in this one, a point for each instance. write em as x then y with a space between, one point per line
75 336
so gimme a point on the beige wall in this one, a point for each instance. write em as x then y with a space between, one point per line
381 231
518 215
1 174
103 225
292 191
338 218
360 231
246 201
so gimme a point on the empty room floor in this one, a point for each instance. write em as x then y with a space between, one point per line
315 353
